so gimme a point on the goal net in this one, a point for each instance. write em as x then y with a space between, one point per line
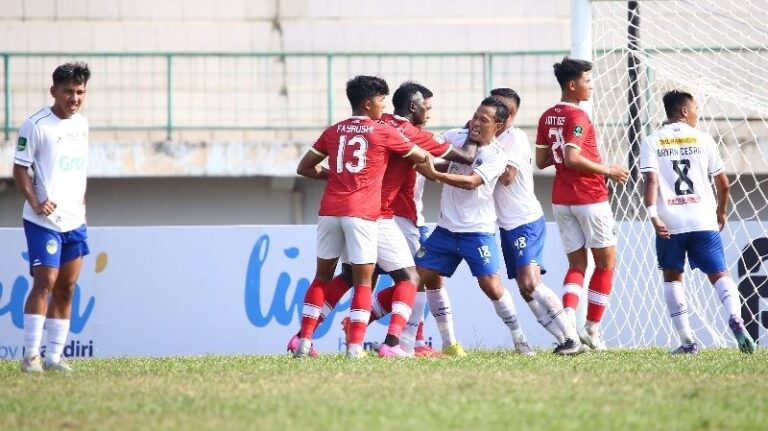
717 51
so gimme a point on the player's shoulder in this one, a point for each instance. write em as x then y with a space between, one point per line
455 137
40 116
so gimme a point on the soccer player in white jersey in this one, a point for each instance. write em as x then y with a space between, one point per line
522 230
467 224
677 161
53 143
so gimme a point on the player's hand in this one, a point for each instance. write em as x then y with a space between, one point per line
618 173
721 220
45 208
427 168
660 228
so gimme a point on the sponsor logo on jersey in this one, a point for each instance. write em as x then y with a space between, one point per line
22 145
51 246
422 251
578 130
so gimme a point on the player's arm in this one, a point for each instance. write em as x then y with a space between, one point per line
650 196
24 182
543 156
309 165
723 191
464 155
509 175
573 159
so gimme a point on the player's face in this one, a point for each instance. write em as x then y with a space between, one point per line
421 112
483 126
375 106
582 87
68 98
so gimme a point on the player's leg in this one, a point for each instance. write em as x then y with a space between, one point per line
598 225
414 237
44 248
670 255
437 256
59 314
573 242
361 247
482 257
706 253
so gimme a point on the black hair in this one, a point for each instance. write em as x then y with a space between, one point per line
508 93
76 72
403 96
362 87
674 101
501 109
569 69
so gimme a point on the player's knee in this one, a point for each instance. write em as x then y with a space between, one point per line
63 292
526 287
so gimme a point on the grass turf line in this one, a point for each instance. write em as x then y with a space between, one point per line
489 390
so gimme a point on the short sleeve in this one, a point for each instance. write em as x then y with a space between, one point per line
542 135
575 129
492 166
715 164
398 143
321 145
435 145
649 161
26 144
516 154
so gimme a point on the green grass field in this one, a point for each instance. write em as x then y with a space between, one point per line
620 389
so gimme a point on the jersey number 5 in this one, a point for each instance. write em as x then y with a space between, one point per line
557 133
683 185
358 154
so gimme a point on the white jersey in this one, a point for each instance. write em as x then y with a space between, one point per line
684 158
472 210
418 196
516 204
57 152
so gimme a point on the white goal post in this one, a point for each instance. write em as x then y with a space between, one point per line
717 51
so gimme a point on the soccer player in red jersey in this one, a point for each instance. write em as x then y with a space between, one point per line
566 139
358 149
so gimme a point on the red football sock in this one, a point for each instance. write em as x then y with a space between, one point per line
600 286
359 314
574 281
402 301
420 331
382 303
333 293
313 304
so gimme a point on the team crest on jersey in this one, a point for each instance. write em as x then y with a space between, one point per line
22 144
422 251
578 130
51 246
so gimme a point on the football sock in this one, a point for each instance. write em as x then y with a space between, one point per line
678 310
333 293
58 329
572 284
505 309
600 286
310 312
420 334
551 303
33 334
440 307
541 316
359 314
402 300
381 304
729 295
409 338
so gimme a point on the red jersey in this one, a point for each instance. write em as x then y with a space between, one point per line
358 149
398 189
567 124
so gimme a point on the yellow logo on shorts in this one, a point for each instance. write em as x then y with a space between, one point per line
51 246
422 251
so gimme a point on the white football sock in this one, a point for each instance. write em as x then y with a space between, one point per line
33 334
543 318
440 307
729 295
678 310
505 309
58 329
408 337
547 298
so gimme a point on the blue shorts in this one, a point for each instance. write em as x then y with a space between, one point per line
50 248
444 250
423 231
704 250
523 246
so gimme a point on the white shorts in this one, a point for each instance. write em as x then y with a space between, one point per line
589 225
411 233
351 237
392 248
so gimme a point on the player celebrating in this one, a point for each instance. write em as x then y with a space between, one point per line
566 138
522 230
54 144
359 148
676 162
467 224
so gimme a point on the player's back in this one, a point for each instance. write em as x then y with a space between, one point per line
684 158
562 125
516 203
358 149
